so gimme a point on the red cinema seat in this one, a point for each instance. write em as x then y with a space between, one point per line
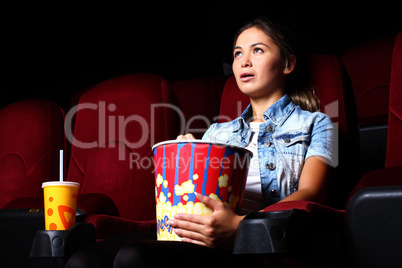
199 102
394 145
392 173
369 68
233 101
374 215
31 135
116 124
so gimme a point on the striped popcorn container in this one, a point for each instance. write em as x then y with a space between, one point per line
185 167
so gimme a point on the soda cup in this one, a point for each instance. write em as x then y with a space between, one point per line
60 198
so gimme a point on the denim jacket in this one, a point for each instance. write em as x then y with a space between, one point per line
286 139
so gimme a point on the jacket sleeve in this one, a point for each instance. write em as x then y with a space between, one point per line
207 134
324 140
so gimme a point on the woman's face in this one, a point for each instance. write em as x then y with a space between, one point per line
257 64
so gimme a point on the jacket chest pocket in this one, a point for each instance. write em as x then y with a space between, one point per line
292 147
292 144
292 137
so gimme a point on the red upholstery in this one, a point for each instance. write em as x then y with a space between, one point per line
308 206
118 117
31 135
233 101
369 67
391 175
337 101
394 145
199 101
327 75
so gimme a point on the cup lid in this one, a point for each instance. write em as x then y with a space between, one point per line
63 183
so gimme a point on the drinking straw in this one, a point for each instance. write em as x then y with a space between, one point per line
61 165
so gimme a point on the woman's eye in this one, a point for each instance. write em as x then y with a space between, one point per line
237 54
258 50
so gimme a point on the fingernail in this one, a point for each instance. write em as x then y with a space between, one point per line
176 216
171 222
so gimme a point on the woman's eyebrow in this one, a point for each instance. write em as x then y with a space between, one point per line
253 45
259 43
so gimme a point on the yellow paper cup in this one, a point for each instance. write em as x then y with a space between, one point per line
60 198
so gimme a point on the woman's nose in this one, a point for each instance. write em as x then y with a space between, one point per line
246 62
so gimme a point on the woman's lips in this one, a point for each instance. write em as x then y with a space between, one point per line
244 77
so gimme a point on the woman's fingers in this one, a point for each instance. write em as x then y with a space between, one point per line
187 136
191 232
209 202
189 222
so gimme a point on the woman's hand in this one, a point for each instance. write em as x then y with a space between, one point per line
188 136
215 230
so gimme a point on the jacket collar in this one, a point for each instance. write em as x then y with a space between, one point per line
277 113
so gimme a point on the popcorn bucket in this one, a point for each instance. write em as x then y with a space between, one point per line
185 167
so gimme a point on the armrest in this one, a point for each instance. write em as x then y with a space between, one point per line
374 221
107 226
389 176
93 203
25 203
62 244
298 229
312 208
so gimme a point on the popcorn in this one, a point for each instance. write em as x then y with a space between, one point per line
178 190
215 197
186 187
223 180
162 198
183 168
233 199
159 180
165 211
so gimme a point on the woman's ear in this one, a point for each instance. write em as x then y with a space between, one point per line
290 64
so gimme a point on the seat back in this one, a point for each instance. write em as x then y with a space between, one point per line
117 123
199 102
327 74
233 101
394 143
336 100
369 67
31 135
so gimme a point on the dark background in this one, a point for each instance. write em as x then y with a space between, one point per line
53 51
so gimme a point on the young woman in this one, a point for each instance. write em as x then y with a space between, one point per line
292 143
293 153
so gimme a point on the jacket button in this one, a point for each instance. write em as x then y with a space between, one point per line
270 129
270 166
267 144
274 193
287 140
